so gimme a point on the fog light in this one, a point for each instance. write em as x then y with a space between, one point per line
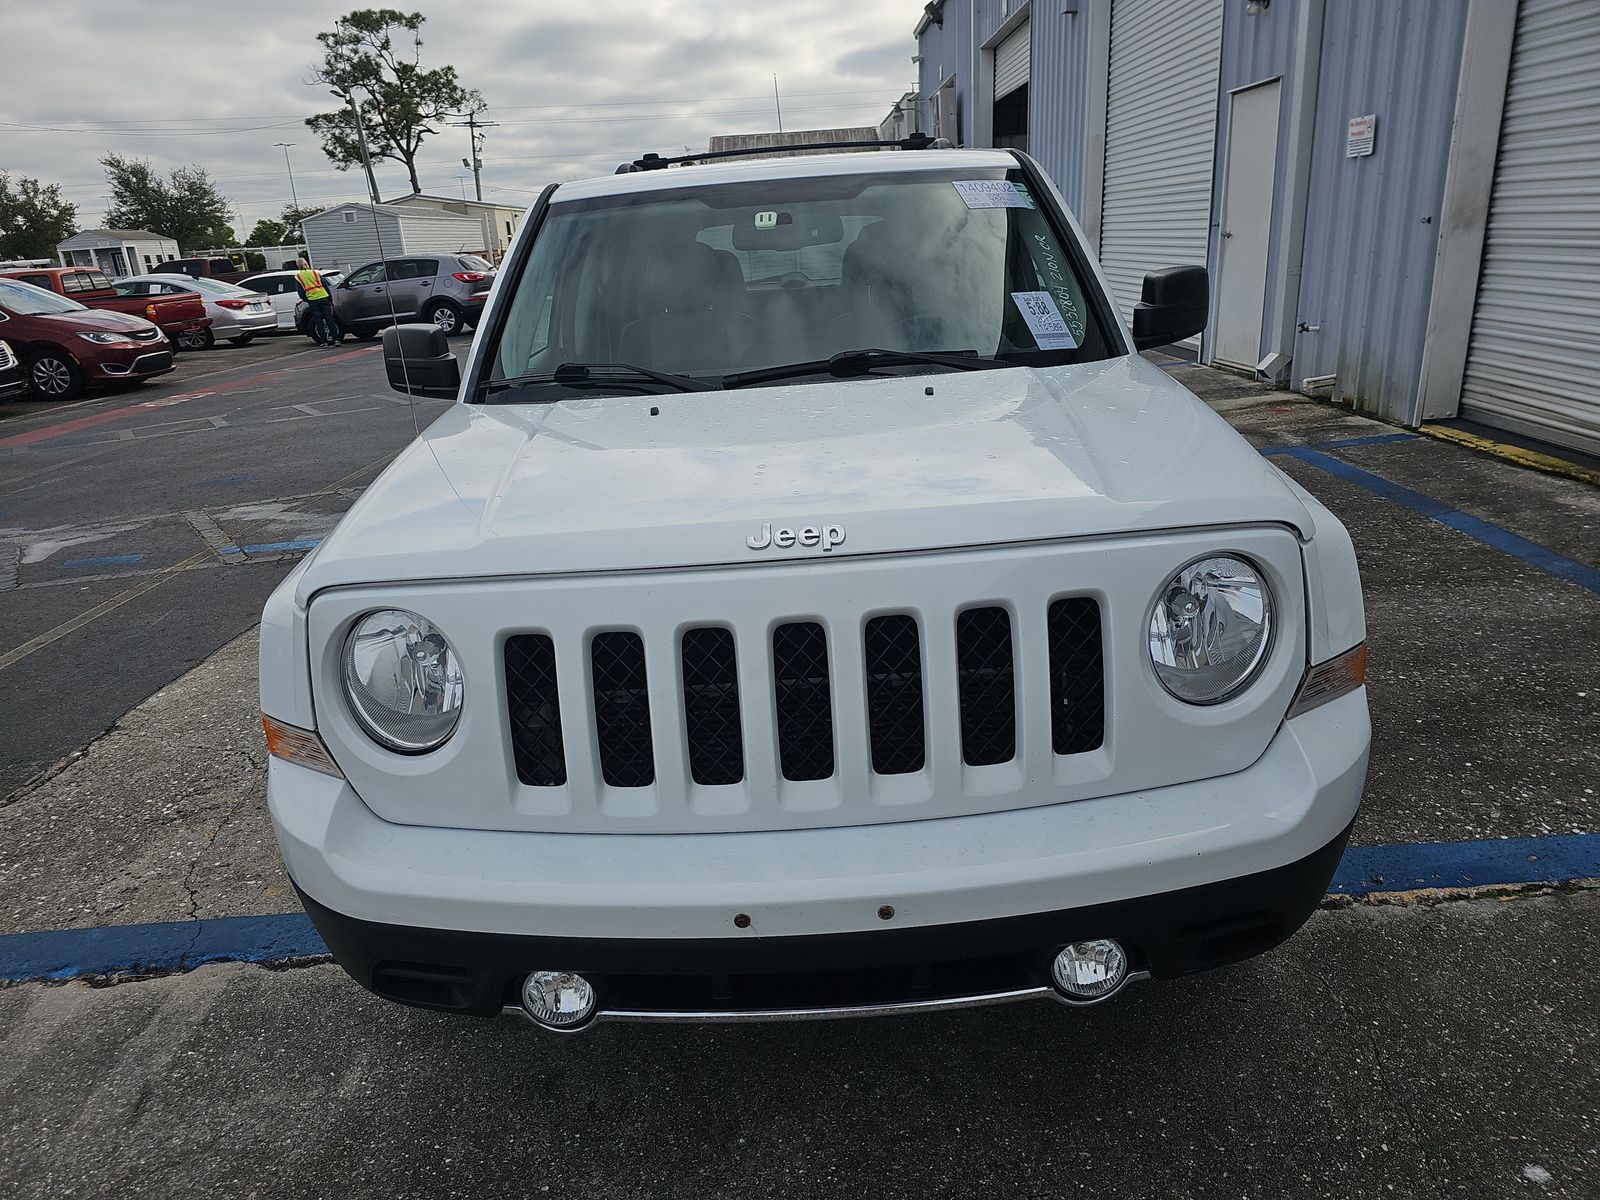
1088 972
558 999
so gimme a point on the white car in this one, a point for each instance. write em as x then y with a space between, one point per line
813 605
278 286
237 314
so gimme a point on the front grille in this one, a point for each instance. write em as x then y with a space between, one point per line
893 652
152 362
986 679
1077 691
711 706
894 708
7 359
622 710
145 335
804 702
535 710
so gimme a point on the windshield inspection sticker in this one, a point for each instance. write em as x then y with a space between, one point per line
993 193
1044 320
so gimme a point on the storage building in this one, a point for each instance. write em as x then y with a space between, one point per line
1399 203
348 235
498 221
116 252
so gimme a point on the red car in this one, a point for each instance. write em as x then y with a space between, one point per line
182 317
66 346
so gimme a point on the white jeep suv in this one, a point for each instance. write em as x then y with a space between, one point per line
812 606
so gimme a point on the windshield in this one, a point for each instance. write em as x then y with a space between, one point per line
716 280
25 300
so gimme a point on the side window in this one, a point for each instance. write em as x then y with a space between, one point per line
425 268
405 268
369 274
37 280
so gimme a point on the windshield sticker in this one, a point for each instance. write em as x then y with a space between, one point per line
1044 320
1059 286
993 193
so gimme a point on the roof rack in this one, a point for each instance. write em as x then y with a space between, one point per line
654 162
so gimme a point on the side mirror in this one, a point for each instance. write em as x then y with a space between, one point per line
1172 307
418 361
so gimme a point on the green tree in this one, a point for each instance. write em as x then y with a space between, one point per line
33 218
292 216
183 205
375 54
268 233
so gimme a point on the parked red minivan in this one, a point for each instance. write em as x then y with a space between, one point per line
67 347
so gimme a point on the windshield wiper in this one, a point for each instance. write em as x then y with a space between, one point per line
600 374
859 362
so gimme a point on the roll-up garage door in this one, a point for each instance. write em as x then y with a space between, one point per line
1011 62
1536 329
1161 121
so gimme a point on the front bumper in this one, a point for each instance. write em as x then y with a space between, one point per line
1187 876
143 361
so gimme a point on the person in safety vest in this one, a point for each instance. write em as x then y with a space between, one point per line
320 321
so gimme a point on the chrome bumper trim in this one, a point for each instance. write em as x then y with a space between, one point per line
897 1008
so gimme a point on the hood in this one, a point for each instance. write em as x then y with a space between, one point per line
101 319
991 456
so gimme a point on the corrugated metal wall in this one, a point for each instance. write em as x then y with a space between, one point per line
438 233
1372 222
1056 97
340 245
947 51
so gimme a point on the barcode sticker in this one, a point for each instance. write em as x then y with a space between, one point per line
993 193
1044 320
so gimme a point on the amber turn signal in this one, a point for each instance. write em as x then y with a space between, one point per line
1329 680
300 746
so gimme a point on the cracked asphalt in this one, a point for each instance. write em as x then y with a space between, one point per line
1415 1046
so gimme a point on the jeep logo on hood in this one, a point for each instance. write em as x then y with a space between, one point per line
826 536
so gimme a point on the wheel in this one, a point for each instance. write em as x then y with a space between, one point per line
197 339
55 376
446 316
244 339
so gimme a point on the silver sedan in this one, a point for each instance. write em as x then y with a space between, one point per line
237 314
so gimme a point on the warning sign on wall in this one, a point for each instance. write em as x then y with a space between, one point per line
1362 133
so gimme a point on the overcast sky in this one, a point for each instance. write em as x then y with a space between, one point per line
577 88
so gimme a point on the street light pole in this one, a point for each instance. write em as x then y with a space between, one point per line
361 140
293 195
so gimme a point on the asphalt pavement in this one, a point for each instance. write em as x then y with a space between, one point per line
1414 1042
114 510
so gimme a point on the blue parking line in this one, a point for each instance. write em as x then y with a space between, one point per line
109 560
272 547
1486 532
184 945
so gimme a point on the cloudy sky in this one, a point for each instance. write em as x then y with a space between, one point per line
576 88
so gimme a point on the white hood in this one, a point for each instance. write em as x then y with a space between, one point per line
991 456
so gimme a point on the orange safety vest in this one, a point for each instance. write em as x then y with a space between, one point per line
311 281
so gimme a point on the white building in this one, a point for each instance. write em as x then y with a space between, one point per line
499 221
117 252
346 236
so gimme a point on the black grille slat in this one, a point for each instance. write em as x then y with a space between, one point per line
535 710
893 652
622 710
1077 676
803 703
711 706
986 680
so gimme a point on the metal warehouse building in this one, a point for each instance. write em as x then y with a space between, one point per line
1399 203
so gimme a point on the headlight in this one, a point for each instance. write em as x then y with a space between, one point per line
403 681
105 339
1210 629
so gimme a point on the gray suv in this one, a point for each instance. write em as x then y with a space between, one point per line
447 290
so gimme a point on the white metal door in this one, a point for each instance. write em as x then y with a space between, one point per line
1530 361
1246 225
1011 62
1161 117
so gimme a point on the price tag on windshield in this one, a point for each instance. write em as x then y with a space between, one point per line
993 193
1044 320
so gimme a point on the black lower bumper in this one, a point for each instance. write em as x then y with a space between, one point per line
1167 934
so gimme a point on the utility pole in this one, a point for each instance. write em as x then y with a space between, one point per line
361 140
472 125
293 195
776 103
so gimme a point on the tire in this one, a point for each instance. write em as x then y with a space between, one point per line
365 335
204 340
244 339
446 316
54 376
